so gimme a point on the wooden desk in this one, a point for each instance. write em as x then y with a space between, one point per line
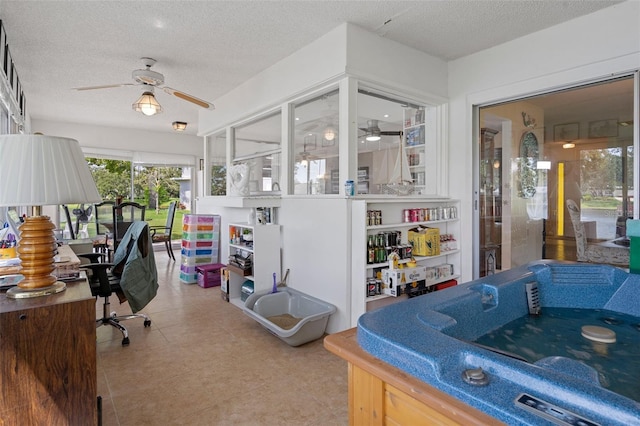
48 358
381 394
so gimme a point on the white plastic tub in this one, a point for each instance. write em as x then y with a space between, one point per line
299 318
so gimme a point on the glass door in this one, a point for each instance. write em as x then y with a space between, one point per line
537 153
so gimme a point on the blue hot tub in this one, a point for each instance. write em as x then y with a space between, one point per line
432 337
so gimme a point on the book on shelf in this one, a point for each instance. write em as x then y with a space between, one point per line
415 136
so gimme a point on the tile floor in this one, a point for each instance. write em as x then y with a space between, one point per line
204 362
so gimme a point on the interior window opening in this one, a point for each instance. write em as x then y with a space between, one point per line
394 136
315 145
256 157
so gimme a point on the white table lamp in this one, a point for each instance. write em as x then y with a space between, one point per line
36 171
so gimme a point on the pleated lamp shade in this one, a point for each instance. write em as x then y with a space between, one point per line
40 170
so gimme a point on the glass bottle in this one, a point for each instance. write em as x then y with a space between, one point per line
371 251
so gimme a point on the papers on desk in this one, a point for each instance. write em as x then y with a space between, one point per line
10 262
8 281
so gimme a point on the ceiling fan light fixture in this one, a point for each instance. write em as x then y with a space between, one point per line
179 126
147 104
373 131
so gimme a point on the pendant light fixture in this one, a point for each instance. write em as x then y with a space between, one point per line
147 104
329 134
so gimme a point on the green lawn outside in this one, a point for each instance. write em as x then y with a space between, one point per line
608 203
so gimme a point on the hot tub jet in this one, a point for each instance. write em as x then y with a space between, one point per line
533 298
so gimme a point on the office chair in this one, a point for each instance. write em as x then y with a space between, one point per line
123 215
165 235
595 253
103 216
132 276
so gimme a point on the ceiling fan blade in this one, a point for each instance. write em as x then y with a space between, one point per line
391 133
107 86
189 98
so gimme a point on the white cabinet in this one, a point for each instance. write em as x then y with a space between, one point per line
441 213
259 244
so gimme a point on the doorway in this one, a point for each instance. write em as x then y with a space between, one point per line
536 153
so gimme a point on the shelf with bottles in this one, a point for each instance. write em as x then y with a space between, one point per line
411 217
372 216
443 253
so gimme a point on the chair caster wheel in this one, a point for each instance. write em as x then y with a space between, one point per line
147 323
125 341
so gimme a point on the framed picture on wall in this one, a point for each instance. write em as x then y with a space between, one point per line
603 128
566 132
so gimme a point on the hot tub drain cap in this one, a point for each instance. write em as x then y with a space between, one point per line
598 334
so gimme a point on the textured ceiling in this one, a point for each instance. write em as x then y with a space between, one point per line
207 48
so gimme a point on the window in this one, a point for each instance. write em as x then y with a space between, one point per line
393 143
315 145
258 147
217 154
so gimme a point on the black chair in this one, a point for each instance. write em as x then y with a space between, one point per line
103 215
123 215
106 278
162 234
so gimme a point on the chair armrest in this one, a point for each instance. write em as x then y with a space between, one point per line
154 229
97 267
93 257
99 278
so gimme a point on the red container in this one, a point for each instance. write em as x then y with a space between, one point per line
209 275
446 284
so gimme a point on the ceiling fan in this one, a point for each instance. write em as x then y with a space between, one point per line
373 132
149 79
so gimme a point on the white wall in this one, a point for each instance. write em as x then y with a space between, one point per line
321 61
316 245
596 46
375 58
346 49
128 140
